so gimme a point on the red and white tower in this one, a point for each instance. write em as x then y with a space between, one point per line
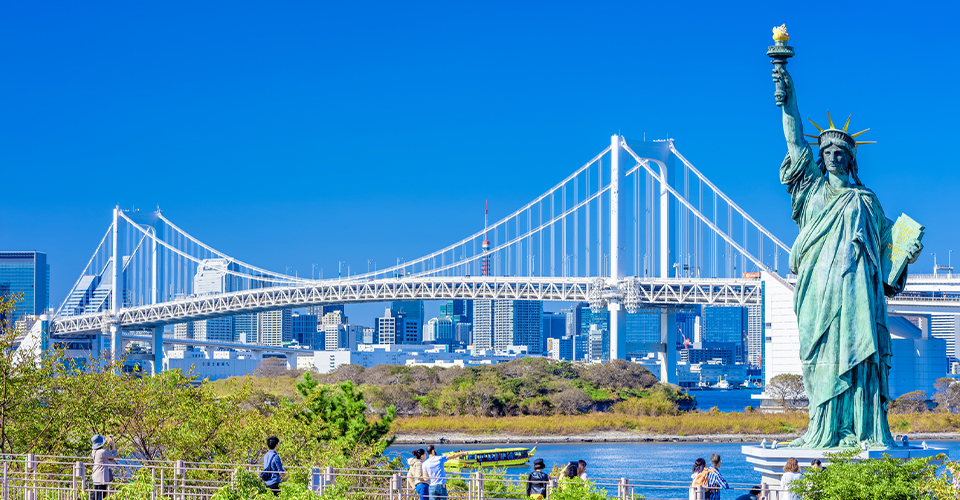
485 262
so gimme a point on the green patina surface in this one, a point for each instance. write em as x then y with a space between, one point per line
845 346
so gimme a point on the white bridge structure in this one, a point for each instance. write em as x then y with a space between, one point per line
637 226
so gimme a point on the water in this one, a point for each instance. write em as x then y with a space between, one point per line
643 461
732 400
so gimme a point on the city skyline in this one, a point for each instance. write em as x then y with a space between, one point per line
306 141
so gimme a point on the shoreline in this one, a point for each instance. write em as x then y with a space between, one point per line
620 437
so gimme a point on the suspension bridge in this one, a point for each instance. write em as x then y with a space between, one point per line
637 226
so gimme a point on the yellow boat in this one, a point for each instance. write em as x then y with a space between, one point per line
496 457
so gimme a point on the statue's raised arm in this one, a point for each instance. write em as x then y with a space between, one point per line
792 126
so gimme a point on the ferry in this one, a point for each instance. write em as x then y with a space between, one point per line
496 457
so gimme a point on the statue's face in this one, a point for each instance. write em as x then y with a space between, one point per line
836 160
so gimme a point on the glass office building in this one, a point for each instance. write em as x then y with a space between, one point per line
26 273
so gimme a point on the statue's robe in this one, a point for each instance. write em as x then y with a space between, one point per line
845 345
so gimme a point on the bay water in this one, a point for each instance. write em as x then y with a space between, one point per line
640 461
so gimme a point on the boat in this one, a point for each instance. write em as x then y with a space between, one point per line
495 457
721 385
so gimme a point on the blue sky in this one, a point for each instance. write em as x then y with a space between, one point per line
289 133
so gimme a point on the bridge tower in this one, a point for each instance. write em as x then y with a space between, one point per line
618 261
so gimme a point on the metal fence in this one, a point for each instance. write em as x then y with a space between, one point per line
34 477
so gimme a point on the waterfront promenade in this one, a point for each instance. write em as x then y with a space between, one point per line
31 477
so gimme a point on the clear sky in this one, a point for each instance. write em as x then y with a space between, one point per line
288 134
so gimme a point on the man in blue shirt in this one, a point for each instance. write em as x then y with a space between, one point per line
433 468
715 482
272 466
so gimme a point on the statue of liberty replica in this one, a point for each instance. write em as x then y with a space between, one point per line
848 257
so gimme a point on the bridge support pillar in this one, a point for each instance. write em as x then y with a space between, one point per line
618 330
668 337
116 342
157 342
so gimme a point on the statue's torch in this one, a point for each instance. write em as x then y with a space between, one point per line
780 52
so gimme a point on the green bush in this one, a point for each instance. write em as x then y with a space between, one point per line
873 479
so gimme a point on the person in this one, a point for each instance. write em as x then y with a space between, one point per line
569 472
272 466
698 477
416 478
433 467
791 472
582 470
839 299
715 481
816 464
753 495
538 480
104 455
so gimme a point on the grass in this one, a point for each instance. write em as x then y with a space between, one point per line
680 425
687 424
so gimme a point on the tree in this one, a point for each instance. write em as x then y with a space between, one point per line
787 390
873 479
571 401
947 395
911 402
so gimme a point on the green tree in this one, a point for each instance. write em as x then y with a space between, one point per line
848 478
911 402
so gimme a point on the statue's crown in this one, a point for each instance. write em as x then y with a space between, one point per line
780 33
834 133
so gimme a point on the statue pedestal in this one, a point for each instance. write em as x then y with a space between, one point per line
769 462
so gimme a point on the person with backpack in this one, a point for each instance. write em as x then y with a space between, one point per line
715 481
537 481
272 466
699 476
416 478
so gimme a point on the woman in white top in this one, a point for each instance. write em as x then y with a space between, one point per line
581 467
104 454
791 472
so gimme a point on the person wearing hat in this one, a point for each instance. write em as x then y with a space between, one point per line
538 480
104 454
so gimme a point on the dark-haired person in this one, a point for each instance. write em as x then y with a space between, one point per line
698 477
537 481
582 470
791 472
568 474
433 467
272 466
416 478
715 481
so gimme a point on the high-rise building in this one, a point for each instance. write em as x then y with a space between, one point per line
575 317
499 324
439 331
412 331
727 324
462 333
754 334
483 324
369 335
305 331
275 327
554 327
343 336
213 277
643 328
389 329
26 273
321 311
245 328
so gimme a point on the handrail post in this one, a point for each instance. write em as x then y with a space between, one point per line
329 476
6 464
701 493
479 485
551 485
178 471
623 488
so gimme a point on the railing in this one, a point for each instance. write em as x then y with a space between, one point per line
30 477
